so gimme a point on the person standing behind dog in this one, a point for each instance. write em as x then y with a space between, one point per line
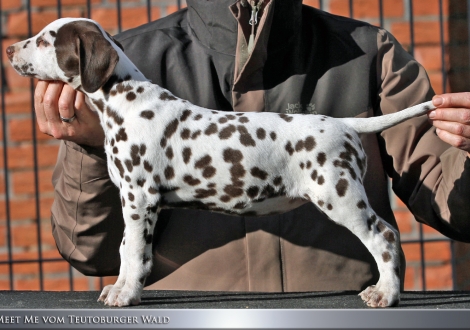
267 55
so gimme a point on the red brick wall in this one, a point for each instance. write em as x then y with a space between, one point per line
20 148
19 130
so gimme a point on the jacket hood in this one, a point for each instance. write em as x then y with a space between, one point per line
214 24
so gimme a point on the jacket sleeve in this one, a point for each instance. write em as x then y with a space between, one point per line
431 177
86 214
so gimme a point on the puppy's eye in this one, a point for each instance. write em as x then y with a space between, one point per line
40 41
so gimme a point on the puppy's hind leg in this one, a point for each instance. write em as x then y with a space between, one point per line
383 243
378 236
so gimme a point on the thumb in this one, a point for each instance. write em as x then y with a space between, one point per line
82 110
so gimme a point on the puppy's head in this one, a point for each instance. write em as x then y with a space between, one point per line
75 51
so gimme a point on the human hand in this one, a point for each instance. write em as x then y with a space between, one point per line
452 119
52 100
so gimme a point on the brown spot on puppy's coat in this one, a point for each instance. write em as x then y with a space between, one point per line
135 151
169 153
167 97
119 166
147 166
299 145
245 137
121 135
310 143
211 129
205 193
342 187
186 155
131 96
232 155
191 181
195 135
389 236
261 133
171 128
233 191
227 132
381 226
169 173
147 114
287 118
185 115
208 172
203 162
259 173
289 148
321 158
252 192
185 134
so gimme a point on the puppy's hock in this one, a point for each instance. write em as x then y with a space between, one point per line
164 152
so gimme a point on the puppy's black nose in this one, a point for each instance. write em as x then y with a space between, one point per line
10 52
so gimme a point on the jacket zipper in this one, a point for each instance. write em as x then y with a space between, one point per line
255 6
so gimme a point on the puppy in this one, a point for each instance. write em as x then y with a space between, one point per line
164 152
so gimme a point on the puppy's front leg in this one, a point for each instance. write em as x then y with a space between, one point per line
108 292
140 216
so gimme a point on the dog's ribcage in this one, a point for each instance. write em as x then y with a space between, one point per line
242 163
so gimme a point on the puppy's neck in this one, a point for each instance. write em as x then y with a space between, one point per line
121 93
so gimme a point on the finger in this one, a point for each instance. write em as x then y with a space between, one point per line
454 140
82 111
80 103
458 115
452 100
50 102
88 123
453 128
41 118
66 102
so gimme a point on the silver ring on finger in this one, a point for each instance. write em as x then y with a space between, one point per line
67 120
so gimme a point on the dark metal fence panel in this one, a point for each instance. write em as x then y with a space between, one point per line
27 256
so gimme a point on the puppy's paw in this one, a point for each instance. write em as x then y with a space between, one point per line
380 296
105 292
127 297
111 299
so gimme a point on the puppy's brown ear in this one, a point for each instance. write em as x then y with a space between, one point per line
81 49
98 59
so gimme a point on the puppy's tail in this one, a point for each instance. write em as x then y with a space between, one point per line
380 123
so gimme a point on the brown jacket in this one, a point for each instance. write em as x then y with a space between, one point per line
304 60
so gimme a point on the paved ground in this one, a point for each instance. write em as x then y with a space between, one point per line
225 300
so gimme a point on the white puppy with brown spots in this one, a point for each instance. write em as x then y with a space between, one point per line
164 152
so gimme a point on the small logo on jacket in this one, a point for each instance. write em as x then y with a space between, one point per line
301 108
